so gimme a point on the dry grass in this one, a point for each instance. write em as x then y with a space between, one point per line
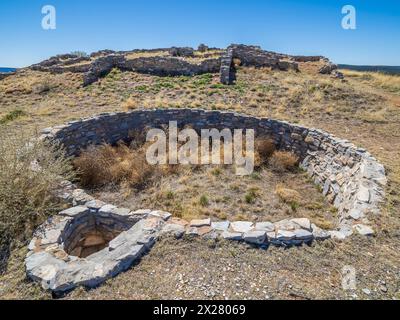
11 116
287 195
264 149
27 190
118 175
120 165
130 104
386 81
283 161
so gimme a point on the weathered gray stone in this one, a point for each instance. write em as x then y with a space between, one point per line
148 240
51 236
119 241
43 267
284 235
161 214
75 212
286 225
319 234
221 225
356 214
242 226
303 223
265 226
200 223
122 212
302 234
176 229
107 210
233 236
199 231
363 194
255 237
272 237
95 204
80 197
363 230
337 235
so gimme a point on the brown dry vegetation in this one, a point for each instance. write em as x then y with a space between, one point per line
29 175
121 175
364 109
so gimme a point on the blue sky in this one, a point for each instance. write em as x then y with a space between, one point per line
288 26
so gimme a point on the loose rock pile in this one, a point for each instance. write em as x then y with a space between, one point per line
351 179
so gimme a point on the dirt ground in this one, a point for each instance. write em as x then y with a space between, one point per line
364 109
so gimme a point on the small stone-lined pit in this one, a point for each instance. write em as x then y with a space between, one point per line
351 178
90 233
86 245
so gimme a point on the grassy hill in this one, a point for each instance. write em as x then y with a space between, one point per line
384 69
365 109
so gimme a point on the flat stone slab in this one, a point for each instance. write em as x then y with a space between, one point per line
265 226
302 234
161 214
363 230
221 226
199 231
200 223
286 225
177 230
232 236
255 237
95 204
303 223
337 235
242 226
75 212
319 234
284 235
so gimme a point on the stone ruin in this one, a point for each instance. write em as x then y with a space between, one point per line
93 241
174 62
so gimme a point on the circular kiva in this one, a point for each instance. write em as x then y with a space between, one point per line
93 241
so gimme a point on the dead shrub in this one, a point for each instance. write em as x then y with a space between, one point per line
121 165
43 87
283 161
287 195
264 149
30 171
131 104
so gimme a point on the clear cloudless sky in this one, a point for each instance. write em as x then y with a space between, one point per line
290 26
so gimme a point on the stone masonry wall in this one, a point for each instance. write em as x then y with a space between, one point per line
94 241
101 63
351 178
